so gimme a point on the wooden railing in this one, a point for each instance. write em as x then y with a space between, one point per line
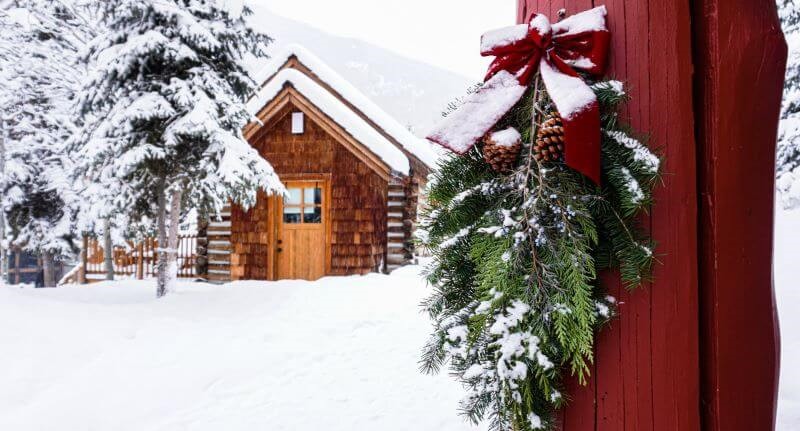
24 267
139 260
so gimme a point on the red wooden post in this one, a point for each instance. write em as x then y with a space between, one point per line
705 329
739 85
646 373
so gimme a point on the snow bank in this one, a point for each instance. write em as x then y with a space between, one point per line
414 145
338 354
787 274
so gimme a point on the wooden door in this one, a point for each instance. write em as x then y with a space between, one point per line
301 222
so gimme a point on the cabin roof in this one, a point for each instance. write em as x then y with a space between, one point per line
351 122
351 98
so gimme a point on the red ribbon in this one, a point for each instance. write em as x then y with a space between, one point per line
558 51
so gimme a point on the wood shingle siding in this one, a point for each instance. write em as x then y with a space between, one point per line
357 209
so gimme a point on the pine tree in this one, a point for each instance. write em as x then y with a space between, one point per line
517 255
164 108
3 225
39 75
788 161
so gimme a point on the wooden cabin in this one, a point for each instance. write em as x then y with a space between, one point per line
353 174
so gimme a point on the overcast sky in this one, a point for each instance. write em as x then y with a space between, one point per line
445 33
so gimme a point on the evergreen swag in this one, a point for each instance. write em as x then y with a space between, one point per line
516 260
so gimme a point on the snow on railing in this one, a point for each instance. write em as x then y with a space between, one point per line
139 260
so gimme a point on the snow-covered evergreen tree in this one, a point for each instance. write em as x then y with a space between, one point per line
788 163
164 102
39 75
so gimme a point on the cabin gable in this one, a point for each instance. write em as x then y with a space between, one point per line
417 165
292 60
275 110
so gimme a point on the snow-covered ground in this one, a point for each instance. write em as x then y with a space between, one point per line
338 354
787 290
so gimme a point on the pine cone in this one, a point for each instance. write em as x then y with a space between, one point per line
501 149
550 139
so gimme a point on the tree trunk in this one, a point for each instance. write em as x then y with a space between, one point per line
161 224
84 260
108 249
168 242
3 251
48 269
174 224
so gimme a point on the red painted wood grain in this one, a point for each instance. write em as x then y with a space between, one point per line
740 54
698 348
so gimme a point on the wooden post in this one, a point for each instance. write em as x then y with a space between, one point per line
740 56
704 79
140 260
82 279
646 373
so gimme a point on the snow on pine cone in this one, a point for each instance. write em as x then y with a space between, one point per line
550 139
501 148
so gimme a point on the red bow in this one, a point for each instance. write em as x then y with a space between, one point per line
578 42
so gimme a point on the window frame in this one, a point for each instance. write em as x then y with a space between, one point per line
313 187
298 126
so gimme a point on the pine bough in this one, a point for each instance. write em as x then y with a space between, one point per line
517 300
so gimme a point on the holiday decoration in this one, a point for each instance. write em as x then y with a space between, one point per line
555 52
519 235
550 139
501 149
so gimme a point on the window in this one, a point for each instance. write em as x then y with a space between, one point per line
303 205
297 123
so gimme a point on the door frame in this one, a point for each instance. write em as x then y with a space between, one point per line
276 220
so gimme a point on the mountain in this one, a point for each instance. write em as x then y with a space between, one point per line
415 93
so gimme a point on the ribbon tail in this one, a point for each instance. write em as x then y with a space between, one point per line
580 115
584 129
480 111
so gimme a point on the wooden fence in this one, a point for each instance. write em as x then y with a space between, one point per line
139 260
26 268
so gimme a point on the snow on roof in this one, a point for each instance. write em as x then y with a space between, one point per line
420 148
336 110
